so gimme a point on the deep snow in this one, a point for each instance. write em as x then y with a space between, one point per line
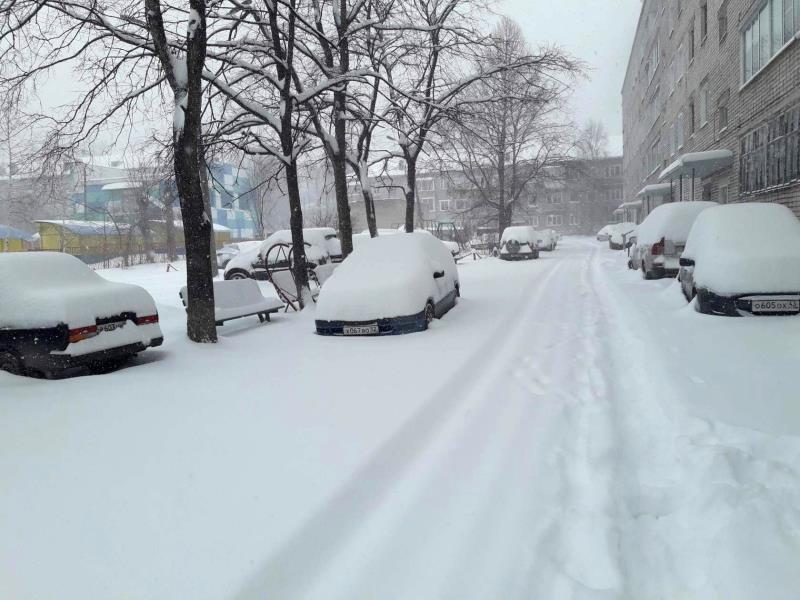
568 431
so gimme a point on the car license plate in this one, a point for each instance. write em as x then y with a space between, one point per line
371 329
111 326
775 305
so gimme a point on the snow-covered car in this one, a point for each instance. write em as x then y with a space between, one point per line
743 259
453 247
228 251
519 243
322 247
619 234
661 238
57 316
546 240
604 233
389 285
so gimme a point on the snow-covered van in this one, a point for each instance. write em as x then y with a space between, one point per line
389 285
518 243
57 315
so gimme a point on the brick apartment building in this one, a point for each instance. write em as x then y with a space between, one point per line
711 103
575 197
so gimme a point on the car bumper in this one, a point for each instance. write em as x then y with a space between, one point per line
389 326
68 362
739 305
519 256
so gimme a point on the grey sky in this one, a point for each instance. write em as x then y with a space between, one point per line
599 32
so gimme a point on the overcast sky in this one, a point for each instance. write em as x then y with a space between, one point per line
599 32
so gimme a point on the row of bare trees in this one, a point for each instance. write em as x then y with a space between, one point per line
352 84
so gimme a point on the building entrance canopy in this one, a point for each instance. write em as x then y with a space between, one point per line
698 164
656 190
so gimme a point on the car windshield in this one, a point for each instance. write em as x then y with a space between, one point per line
400 300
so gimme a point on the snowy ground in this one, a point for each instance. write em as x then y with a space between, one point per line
569 431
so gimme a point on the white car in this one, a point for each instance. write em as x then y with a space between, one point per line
389 285
228 251
743 259
604 233
519 243
619 234
661 238
546 239
57 316
322 247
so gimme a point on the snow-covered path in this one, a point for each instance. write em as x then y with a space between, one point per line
567 432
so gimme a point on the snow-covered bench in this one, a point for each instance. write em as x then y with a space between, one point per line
239 298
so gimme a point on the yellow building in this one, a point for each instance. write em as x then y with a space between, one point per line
14 240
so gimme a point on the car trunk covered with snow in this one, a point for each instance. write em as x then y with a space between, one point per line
744 257
57 313
519 242
386 285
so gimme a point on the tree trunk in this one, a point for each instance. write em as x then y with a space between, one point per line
299 266
411 186
144 227
207 208
369 208
169 220
197 224
340 175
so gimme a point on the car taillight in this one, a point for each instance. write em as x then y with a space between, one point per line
658 248
148 320
82 333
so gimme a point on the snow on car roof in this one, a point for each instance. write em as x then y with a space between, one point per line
518 233
671 221
385 277
749 247
44 289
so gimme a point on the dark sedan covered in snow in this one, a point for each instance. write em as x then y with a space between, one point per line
743 259
389 285
59 316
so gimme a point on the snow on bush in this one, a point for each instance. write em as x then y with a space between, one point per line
387 276
45 289
740 248
671 221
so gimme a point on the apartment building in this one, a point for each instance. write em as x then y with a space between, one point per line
574 197
711 103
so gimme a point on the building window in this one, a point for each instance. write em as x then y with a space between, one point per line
703 21
770 154
723 194
617 194
573 219
554 198
460 204
535 221
679 125
425 185
691 41
555 220
766 33
444 204
722 111
722 20
703 104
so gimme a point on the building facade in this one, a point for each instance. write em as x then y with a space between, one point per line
711 103
574 197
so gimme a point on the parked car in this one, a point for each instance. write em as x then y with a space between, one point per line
546 240
661 238
604 233
228 251
518 243
618 237
322 248
58 316
743 259
389 285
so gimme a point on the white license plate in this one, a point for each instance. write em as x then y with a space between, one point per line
781 305
111 326
360 329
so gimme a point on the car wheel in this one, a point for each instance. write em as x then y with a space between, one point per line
430 314
10 362
237 274
645 273
458 291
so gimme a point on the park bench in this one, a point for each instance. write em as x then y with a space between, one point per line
239 298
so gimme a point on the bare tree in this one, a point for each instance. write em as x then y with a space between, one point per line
266 194
592 141
510 127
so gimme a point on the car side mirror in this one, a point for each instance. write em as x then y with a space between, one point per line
438 274
686 262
